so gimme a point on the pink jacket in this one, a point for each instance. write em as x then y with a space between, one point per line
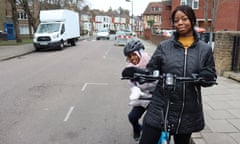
144 88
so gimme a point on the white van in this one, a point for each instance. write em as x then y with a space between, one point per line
57 28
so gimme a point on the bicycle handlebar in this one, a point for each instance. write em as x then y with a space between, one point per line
168 78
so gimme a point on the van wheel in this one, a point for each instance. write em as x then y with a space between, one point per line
73 42
61 46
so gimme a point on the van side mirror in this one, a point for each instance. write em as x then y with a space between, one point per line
63 29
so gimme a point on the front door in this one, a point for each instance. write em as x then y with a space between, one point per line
9 29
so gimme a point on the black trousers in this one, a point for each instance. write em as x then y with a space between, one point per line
134 115
151 135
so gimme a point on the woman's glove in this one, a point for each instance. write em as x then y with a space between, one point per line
206 75
208 78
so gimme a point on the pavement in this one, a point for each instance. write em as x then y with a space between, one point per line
221 102
9 52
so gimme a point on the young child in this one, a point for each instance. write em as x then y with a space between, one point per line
140 93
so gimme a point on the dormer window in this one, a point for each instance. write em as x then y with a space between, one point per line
153 9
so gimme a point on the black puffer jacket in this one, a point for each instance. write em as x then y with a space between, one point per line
185 110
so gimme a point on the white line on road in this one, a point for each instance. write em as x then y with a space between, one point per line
106 53
68 114
86 84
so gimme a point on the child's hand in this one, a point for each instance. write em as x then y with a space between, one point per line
135 93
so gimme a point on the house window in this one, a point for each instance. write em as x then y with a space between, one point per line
24 29
98 18
195 4
192 3
50 2
18 2
159 9
160 20
183 2
148 17
22 15
153 9
155 18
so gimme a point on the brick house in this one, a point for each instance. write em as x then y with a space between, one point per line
227 13
160 13
6 24
152 12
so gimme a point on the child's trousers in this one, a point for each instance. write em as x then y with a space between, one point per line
134 115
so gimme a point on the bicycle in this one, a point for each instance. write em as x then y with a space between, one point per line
169 82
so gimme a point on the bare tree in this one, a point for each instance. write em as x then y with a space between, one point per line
206 14
35 14
31 12
15 19
214 12
215 7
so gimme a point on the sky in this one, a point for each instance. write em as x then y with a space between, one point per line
139 6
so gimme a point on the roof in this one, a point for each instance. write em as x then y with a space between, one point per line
151 6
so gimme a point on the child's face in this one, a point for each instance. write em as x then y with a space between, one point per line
133 58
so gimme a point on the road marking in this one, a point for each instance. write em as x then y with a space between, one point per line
86 84
106 53
68 114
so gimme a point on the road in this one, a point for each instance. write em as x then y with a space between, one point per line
73 96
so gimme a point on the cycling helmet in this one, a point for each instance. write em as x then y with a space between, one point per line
133 45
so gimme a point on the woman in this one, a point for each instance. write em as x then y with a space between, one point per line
183 55
137 57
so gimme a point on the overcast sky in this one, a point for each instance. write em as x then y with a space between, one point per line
138 5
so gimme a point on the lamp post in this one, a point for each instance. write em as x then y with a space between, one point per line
132 14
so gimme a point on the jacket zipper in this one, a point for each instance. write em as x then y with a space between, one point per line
184 88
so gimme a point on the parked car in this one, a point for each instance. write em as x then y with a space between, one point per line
134 34
128 32
205 36
103 34
122 37
167 33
